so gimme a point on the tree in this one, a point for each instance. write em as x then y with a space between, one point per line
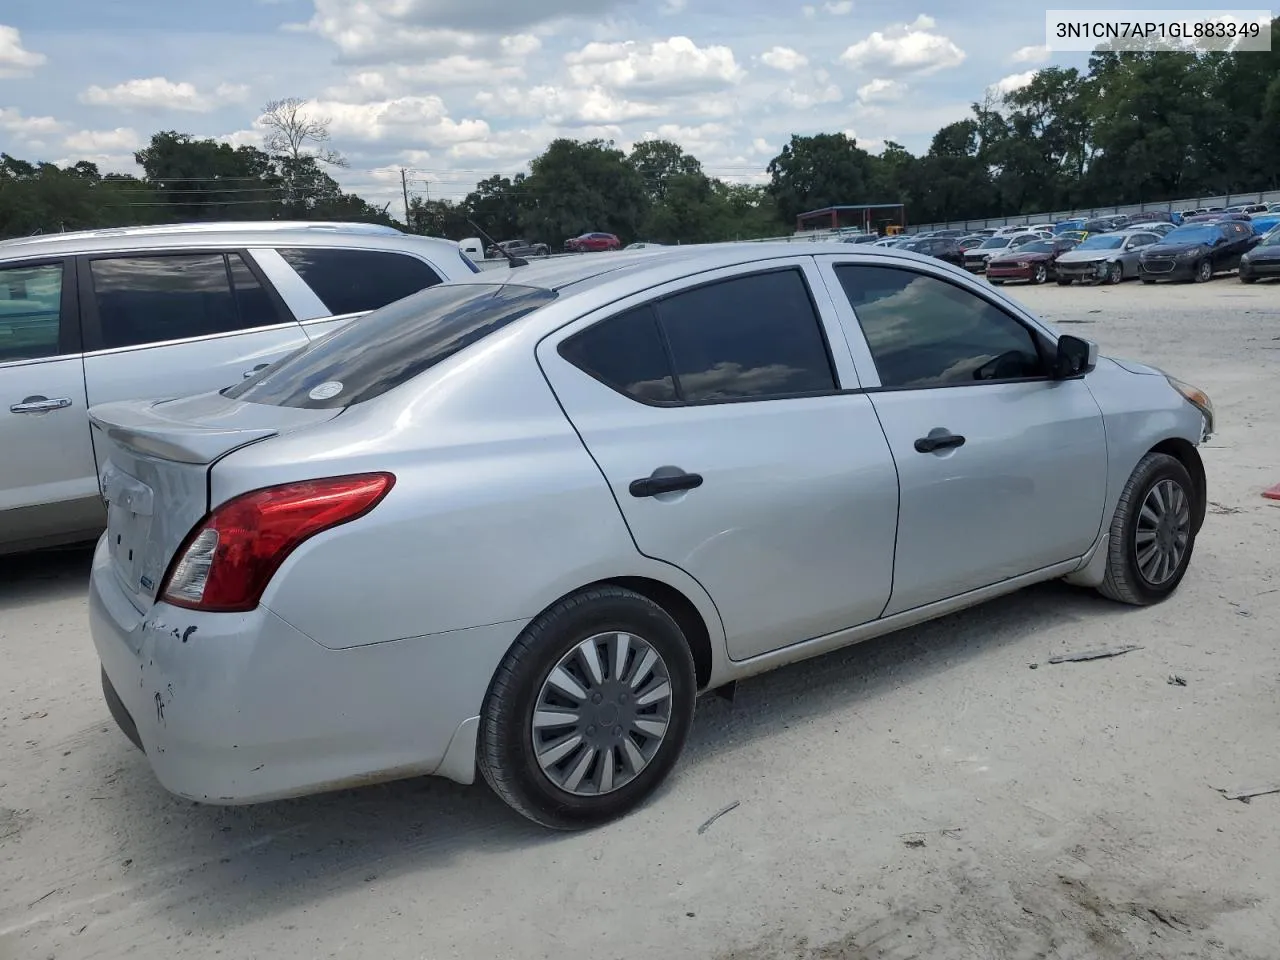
292 131
576 186
658 161
495 205
824 170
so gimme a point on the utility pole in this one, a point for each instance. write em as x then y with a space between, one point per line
404 187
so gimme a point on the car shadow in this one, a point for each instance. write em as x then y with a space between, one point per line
241 863
44 575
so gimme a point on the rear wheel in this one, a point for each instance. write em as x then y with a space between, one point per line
1152 532
589 709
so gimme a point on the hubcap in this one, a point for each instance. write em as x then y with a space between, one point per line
1204 270
1163 532
602 714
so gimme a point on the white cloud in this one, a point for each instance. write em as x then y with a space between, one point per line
416 119
909 47
15 59
119 140
159 93
838 8
762 147
672 7
12 121
784 58
241 138
803 97
879 90
520 45
1033 54
1015 81
565 106
699 139
809 11
673 66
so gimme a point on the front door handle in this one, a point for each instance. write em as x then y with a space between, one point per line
941 441
250 373
652 486
38 404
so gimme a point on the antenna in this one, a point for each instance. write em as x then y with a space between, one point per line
511 258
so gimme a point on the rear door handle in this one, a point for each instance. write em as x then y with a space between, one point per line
652 486
941 441
39 404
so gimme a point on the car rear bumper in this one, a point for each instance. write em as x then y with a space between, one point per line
242 708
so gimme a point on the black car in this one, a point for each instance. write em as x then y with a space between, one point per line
1263 260
1196 251
944 248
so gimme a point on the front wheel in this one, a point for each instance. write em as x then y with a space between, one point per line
1064 281
1248 279
589 710
1204 271
1041 274
1115 273
994 282
1148 279
1152 533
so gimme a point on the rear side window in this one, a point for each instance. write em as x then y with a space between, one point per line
354 281
751 337
149 299
373 354
30 312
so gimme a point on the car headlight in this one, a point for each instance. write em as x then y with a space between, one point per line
1198 399
1188 254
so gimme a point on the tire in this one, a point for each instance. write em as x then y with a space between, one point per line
1041 274
994 283
1148 279
1125 579
506 750
1064 281
1115 273
1244 279
1204 272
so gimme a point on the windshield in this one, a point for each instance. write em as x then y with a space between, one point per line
1104 242
1199 233
1039 246
994 242
1272 239
374 353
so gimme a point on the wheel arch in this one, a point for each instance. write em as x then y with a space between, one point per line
1185 452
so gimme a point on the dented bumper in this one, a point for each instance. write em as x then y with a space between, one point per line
242 708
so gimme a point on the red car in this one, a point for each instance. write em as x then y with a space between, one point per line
590 242
1033 261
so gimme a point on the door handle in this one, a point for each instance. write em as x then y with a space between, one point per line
250 373
40 405
652 486
942 441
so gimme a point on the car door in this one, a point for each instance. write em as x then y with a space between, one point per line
48 484
329 286
175 323
1002 470
1132 251
1238 234
715 408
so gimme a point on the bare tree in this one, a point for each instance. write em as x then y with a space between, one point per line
295 133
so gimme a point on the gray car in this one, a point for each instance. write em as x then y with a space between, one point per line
1105 257
513 525
164 311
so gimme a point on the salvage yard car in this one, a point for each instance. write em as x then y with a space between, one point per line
1197 251
164 311
513 525
1263 260
1035 262
1105 257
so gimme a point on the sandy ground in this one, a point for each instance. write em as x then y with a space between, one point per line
925 795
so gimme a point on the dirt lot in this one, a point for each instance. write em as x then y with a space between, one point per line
925 795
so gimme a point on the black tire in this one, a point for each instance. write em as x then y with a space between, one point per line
505 748
995 283
1204 272
1064 281
1124 581
1148 279
1244 279
1115 273
1041 274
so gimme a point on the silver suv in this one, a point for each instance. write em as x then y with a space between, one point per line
165 311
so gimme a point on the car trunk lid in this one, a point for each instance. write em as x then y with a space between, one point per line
154 474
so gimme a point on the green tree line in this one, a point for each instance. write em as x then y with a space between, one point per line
1132 127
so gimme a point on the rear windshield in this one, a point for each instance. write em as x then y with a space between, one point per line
377 352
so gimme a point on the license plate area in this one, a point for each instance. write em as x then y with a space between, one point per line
129 515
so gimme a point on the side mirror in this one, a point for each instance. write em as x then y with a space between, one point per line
1075 357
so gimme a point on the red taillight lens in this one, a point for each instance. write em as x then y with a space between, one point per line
228 560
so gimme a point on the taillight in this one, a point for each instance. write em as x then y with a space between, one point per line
228 560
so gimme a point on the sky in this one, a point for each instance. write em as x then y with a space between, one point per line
456 90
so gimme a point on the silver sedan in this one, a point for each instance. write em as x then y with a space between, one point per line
514 525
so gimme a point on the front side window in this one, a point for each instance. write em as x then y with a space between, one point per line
356 281
375 353
925 332
30 312
150 299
